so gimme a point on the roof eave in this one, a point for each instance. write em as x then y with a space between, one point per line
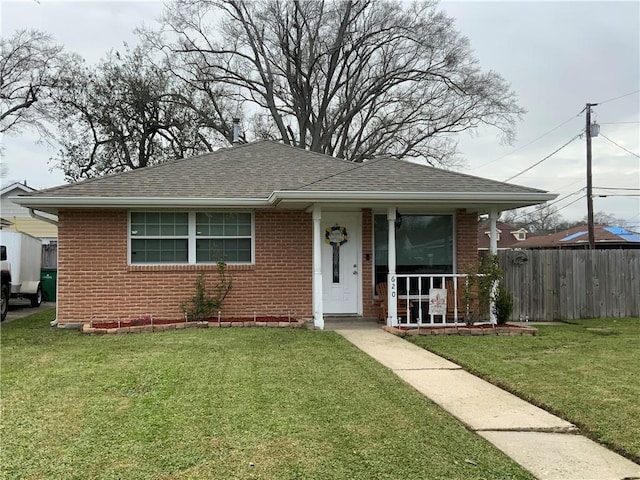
473 201
53 203
468 199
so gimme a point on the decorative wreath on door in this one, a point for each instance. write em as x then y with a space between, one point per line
336 236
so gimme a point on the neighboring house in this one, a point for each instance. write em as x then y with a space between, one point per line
508 236
18 218
302 233
578 237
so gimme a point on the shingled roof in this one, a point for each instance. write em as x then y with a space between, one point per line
267 173
578 237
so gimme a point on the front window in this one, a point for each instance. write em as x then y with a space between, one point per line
223 236
424 244
191 237
159 237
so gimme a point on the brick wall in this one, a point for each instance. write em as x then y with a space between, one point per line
369 306
466 239
96 282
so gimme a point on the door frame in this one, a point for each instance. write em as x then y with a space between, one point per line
357 219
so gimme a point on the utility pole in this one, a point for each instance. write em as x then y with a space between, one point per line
592 240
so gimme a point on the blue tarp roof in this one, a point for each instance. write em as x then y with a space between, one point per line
624 234
572 236
617 230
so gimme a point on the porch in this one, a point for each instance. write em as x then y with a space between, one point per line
416 256
434 300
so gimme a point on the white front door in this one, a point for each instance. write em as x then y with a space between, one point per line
340 262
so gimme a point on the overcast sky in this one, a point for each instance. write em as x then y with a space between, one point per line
557 56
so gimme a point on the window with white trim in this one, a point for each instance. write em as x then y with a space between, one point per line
159 237
190 237
223 237
520 234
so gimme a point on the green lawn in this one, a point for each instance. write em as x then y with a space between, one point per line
220 403
587 372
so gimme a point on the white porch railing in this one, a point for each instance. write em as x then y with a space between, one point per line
413 300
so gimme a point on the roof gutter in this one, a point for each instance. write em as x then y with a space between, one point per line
40 217
50 204
408 197
41 202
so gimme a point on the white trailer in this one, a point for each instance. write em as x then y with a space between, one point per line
21 266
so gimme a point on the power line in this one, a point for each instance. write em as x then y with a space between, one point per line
527 144
551 203
615 123
617 195
619 146
616 188
617 98
545 158
565 197
557 209
569 204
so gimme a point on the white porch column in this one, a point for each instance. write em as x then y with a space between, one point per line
493 250
493 231
392 281
318 316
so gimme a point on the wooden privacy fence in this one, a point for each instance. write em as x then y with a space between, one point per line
568 284
50 255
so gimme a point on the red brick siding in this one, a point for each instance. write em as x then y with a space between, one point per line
96 282
369 307
466 239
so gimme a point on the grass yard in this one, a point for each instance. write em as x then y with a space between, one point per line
220 404
587 372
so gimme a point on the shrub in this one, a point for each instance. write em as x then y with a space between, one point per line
205 304
481 276
503 304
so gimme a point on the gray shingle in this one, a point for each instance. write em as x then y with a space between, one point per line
255 170
390 174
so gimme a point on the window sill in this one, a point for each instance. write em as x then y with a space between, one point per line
207 267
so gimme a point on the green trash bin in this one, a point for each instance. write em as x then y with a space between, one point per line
49 280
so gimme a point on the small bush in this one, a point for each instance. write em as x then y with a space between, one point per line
477 290
503 304
205 304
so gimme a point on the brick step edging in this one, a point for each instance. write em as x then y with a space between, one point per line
87 329
501 330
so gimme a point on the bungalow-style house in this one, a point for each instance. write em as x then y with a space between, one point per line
507 236
301 233
19 219
606 237
16 218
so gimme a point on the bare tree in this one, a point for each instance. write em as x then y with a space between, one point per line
540 219
31 66
546 219
129 112
353 79
602 218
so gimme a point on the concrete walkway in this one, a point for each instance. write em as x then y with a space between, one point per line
22 308
547 446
